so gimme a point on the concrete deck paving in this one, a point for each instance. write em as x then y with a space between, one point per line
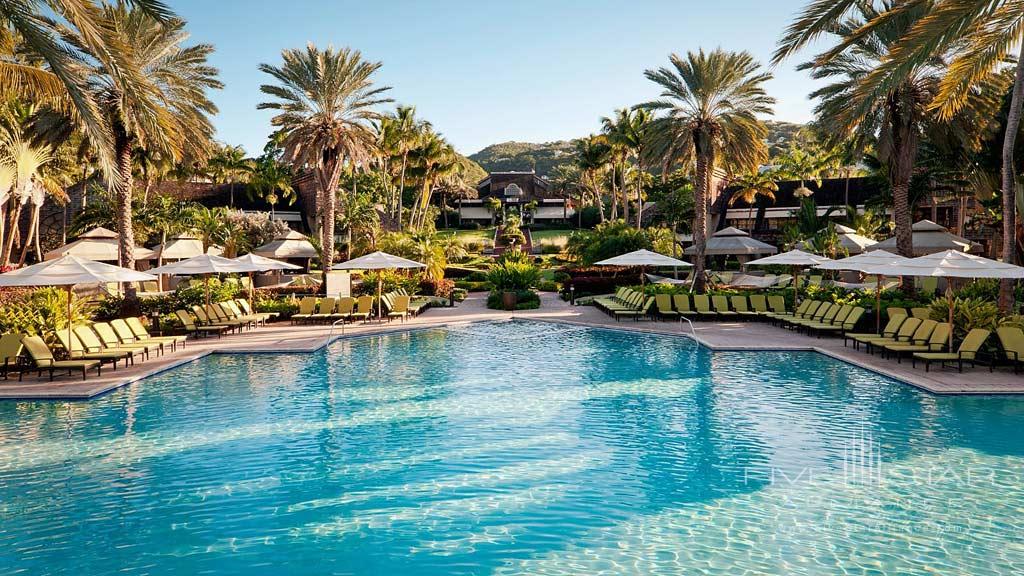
719 336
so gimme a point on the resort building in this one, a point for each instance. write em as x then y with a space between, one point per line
524 192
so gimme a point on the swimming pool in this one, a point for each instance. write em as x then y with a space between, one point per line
512 448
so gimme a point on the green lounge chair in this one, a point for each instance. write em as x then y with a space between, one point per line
364 308
664 303
895 311
936 342
398 308
43 359
72 344
243 304
636 314
327 306
111 342
777 304
849 323
306 307
682 305
231 308
142 335
968 351
920 336
204 319
702 305
189 323
929 285
739 305
835 317
759 304
823 315
10 350
888 331
220 314
806 309
904 334
1012 340
922 313
721 304
343 311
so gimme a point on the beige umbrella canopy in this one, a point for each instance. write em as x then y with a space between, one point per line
643 258
950 264
862 263
849 240
795 258
183 246
205 265
98 244
291 244
378 261
68 271
929 238
733 241
261 264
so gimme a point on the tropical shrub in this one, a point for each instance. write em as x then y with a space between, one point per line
284 307
511 275
440 288
41 312
607 240
525 300
594 285
513 256
968 314
391 280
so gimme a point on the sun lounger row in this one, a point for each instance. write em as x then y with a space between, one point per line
821 317
85 347
313 310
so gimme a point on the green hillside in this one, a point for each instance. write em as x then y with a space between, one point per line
523 156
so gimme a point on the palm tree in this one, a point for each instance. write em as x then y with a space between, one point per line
325 101
432 159
24 184
409 132
210 225
592 155
709 105
65 82
229 164
163 107
629 130
271 181
980 33
754 185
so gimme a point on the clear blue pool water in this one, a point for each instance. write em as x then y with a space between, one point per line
514 448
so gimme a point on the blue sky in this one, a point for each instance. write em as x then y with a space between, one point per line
485 72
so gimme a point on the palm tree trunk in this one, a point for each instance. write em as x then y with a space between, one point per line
33 226
231 193
615 194
705 162
900 171
625 197
3 225
330 174
13 215
1009 185
401 188
123 218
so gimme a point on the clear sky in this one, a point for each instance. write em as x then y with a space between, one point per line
484 72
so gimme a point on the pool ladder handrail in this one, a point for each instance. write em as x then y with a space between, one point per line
341 321
693 331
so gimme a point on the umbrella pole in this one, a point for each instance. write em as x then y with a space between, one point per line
878 303
206 281
380 303
252 294
71 294
949 296
796 286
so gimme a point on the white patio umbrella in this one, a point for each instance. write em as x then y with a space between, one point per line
950 264
797 259
863 262
205 265
68 271
642 258
930 238
849 240
732 241
98 244
261 264
378 261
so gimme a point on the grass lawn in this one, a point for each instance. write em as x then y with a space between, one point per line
540 237
556 237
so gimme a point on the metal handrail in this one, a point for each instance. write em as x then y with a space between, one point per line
693 330
335 323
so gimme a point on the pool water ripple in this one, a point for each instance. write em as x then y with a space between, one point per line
514 448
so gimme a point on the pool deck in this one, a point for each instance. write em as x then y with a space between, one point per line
718 336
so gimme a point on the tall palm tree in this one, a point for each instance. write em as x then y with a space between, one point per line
592 155
25 185
630 130
325 101
229 164
709 106
271 181
65 82
754 185
409 131
165 109
613 128
894 112
980 35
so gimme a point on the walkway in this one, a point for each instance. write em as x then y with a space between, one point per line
283 337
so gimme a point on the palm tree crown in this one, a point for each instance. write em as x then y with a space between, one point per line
708 115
